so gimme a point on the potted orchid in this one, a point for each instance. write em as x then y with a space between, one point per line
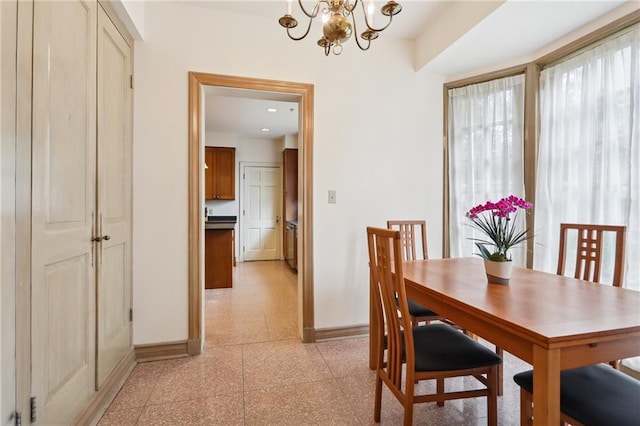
494 220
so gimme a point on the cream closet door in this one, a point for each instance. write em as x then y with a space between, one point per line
114 197
63 203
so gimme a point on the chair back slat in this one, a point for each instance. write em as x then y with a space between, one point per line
411 232
589 251
385 261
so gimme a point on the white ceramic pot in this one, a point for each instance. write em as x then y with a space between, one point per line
498 272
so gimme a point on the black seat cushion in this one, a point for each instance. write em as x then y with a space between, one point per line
596 395
440 347
417 310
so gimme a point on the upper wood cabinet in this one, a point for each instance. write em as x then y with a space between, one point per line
290 183
220 174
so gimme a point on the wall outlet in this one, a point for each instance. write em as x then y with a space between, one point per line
332 196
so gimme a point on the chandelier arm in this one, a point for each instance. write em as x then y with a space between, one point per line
353 6
360 46
314 11
382 28
303 35
366 18
355 33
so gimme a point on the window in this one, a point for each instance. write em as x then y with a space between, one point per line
589 153
486 153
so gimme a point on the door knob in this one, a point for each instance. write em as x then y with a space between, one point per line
97 239
106 237
277 219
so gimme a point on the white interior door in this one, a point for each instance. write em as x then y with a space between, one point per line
114 198
63 202
261 212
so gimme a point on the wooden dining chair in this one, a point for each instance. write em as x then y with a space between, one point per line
428 352
592 395
412 233
589 254
581 393
589 246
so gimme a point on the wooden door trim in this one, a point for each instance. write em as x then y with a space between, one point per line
305 91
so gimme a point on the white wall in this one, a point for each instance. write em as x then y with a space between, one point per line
290 141
261 150
377 142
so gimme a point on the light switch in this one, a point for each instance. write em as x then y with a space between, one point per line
332 196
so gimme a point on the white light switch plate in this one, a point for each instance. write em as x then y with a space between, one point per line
332 196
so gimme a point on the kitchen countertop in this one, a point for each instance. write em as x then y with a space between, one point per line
220 222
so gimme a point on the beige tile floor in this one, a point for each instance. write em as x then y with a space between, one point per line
255 371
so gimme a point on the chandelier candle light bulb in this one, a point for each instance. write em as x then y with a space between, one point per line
493 219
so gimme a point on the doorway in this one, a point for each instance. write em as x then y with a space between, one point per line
304 95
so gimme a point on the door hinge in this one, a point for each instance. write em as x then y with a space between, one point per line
243 176
131 81
18 418
243 249
33 409
130 314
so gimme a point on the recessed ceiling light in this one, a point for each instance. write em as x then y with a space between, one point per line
272 110
264 129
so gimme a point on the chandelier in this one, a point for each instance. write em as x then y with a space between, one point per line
338 22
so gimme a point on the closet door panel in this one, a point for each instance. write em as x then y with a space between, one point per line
114 197
8 128
63 204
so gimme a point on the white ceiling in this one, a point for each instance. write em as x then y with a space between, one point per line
515 29
415 13
246 114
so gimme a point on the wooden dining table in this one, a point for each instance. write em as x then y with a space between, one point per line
550 321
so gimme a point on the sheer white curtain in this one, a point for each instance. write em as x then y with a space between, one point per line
486 155
589 153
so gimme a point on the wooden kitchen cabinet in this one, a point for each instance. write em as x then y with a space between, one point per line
220 174
290 188
218 258
290 176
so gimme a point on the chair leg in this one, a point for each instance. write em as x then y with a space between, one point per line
378 399
492 398
500 353
526 408
408 399
440 391
408 412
